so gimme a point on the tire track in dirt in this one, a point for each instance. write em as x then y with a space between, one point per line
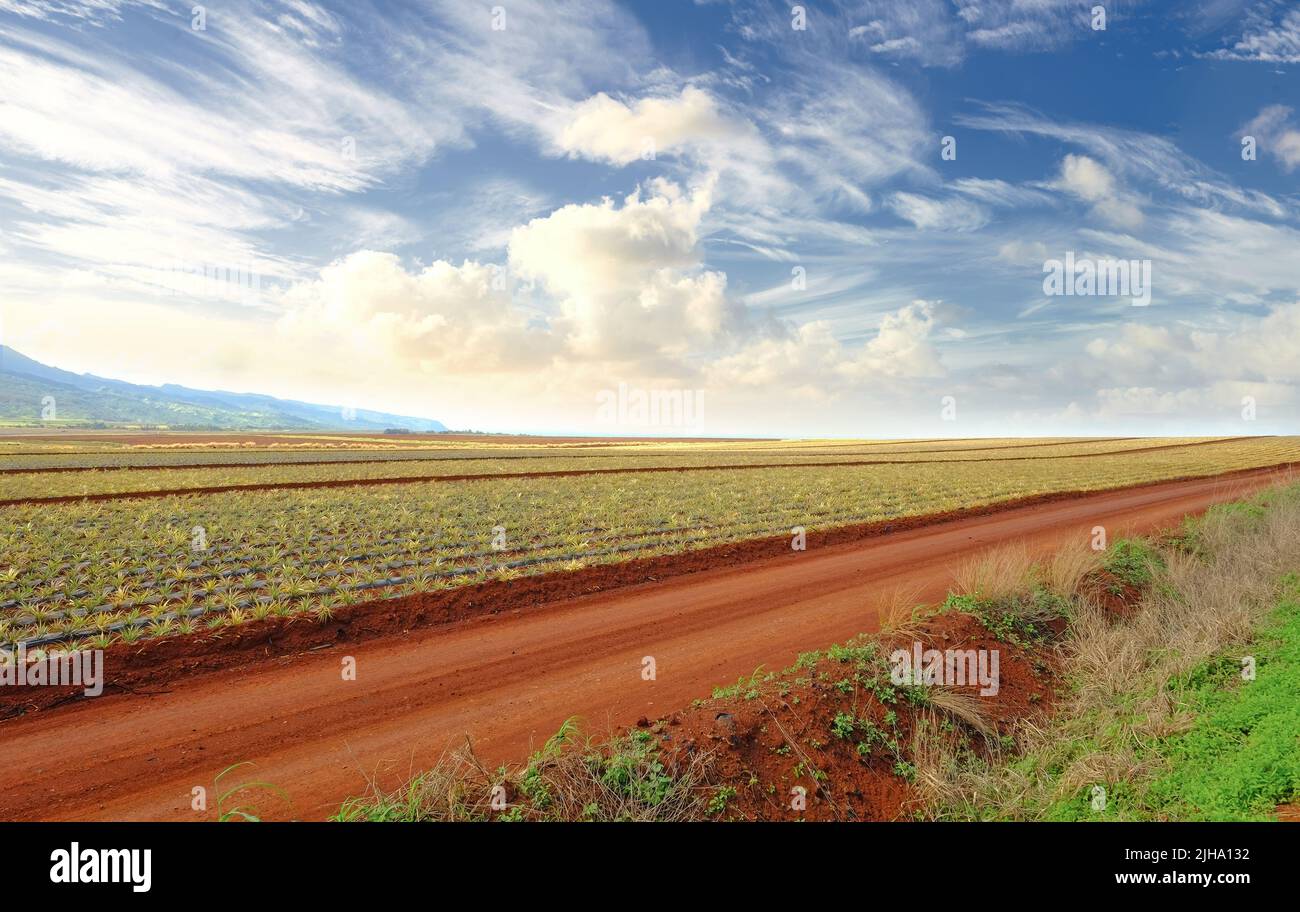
508 681
568 473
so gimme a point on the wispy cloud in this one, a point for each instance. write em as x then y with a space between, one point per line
1271 34
513 211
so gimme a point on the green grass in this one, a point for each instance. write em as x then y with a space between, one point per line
1133 561
1154 720
1241 758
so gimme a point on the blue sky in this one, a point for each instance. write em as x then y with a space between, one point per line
491 214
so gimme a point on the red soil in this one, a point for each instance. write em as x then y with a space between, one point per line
770 740
505 664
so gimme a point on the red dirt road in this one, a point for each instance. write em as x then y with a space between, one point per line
509 680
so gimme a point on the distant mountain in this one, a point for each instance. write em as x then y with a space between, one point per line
27 387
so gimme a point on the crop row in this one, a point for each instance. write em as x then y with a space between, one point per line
79 483
33 458
130 567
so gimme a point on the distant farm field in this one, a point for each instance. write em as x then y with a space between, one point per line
314 526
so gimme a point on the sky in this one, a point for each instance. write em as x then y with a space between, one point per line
820 219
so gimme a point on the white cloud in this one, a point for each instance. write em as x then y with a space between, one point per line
128 229
366 228
1275 135
923 30
811 361
938 215
267 120
1000 193
585 249
1220 256
1254 349
613 131
94 12
1088 180
1026 25
933 33
611 285
1023 253
902 348
1287 148
110 114
452 319
836 128
1265 41
628 279
1135 157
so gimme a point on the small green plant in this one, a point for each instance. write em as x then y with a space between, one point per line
843 725
718 803
1133 562
240 811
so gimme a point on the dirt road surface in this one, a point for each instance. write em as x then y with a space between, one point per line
508 681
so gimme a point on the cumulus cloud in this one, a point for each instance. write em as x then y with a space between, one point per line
902 348
810 359
614 283
801 360
610 130
1276 135
1155 378
622 293
1255 349
628 278
582 249
455 319
1088 179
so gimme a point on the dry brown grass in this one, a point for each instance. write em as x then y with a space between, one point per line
572 778
1066 569
1205 600
900 611
1008 571
996 574
965 708
936 749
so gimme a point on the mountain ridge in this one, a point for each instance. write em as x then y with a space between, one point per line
37 393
